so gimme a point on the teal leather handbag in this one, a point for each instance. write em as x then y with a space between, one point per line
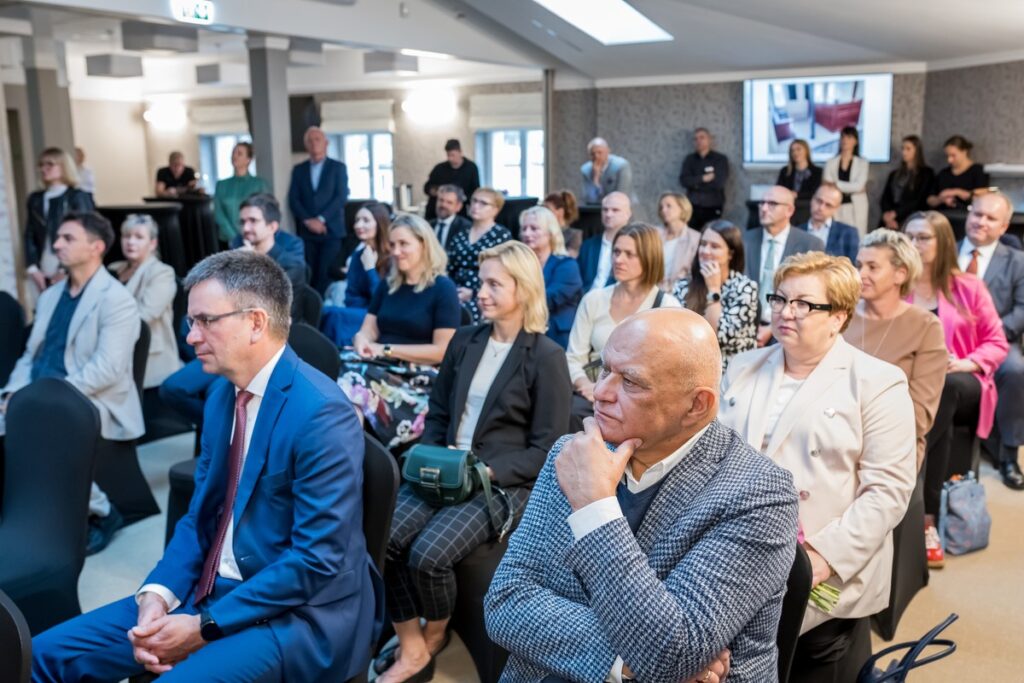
443 476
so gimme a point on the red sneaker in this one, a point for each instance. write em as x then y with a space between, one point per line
933 548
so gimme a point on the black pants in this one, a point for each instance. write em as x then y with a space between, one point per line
704 214
833 652
958 407
321 255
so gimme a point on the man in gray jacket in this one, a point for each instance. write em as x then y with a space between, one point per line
604 173
658 559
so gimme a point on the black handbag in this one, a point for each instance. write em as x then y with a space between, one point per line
897 670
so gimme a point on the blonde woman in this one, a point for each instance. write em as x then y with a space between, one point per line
678 239
563 285
503 390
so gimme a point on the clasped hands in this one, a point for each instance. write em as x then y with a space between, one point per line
315 226
161 640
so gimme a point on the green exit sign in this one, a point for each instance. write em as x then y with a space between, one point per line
193 11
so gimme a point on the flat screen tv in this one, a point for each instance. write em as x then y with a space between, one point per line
777 111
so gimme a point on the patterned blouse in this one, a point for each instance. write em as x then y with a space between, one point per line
464 261
737 328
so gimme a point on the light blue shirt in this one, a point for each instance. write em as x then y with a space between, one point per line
316 169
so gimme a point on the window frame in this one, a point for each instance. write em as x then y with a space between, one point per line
338 141
485 151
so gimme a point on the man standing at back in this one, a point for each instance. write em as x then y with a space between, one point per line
455 170
317 196
595 259
704 175
267 577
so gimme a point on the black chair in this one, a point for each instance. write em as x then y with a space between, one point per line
47 475
140 357
307 305
509 214
13 337
473 577
179 309
909 564
313 346
16 653
794 606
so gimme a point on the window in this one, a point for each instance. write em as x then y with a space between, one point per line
215 158
370 161
512 161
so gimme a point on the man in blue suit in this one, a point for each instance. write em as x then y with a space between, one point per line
595 257
840 239
317 196
267 577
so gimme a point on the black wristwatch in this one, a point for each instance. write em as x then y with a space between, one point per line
713 298
208 628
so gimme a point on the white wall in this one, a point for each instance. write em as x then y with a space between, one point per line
114 138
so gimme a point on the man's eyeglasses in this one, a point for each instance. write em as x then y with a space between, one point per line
204 321
772 204
801 309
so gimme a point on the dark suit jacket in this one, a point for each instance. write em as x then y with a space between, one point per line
298 516
843 240
798 242
1005 279
913 197
807 188
328 200
41 225
459 224
564 289
590 256
526 409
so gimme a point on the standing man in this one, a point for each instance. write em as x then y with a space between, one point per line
595 259
604 173
457 170
267 576
703 176
1002 269
839 239
768 245
450 221
317 196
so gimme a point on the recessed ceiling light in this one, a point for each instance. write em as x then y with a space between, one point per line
610 22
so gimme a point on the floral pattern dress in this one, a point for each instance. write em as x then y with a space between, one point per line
737 328
464 261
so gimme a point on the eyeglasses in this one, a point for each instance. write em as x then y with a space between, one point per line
204 321
920 238
481 202
801 309
771 204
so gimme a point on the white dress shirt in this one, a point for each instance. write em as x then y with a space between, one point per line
316 169
984 256
604 265
442 228
780 246
822 232
228 567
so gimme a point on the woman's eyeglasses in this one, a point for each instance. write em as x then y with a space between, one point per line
801 309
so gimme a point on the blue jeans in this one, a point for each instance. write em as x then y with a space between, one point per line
185 390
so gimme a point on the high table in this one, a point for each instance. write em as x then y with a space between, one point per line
198 227
169 238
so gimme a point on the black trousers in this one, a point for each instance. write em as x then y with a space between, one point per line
321 255
958 407
704 214
833 652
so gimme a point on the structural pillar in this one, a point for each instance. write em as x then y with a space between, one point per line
271 122
49 104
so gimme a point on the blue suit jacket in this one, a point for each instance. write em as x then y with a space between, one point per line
328 200
843 240
564 288
298 536
588 259
706 570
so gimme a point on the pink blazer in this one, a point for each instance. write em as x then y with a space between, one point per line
979 338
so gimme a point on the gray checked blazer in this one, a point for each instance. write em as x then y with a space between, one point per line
706 571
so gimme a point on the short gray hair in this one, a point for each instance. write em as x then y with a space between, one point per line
253 281
902 254
141 220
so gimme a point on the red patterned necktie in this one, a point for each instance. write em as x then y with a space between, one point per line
972 267
212 563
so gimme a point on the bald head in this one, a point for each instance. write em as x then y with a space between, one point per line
681 343
616 211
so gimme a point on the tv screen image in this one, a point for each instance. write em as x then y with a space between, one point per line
780 110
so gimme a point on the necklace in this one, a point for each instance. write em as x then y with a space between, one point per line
863 334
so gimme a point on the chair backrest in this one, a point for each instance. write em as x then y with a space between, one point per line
380 489
140 357
308 305
12 335
16 653
794 606
313 346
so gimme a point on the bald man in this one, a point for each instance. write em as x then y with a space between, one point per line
656 542
595 257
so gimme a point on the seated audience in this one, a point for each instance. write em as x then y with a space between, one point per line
885 326
563 205
679 240
230 192
839 239
704 176
563 288
86 176
956 185
595 259
46 208
411 318
849 172
638 267
907 187
664 559
450 220
281 587
976 346
153 285
1002 270
456 171
503 392
800 175
604 173
85 331
767 246
367 265
175 179
842 422
464 258
718 290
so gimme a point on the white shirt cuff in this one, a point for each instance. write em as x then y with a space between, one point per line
594 516
32 269
615 675
172 601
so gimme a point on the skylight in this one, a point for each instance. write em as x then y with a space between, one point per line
610 22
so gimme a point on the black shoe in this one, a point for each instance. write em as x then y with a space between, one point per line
424 675
102 530
1012 476
387 657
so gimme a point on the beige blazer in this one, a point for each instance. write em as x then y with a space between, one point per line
98 355
153 285
847 436
855 213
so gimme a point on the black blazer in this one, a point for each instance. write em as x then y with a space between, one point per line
526 409
589 259
913 197
41 225
807 188
459 224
